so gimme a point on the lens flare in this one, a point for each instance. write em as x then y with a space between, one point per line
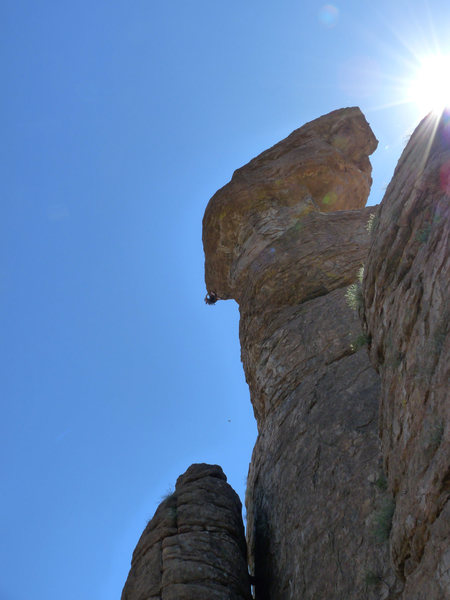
431 86
328 15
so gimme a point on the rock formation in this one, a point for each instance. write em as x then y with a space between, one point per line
285 238
332 513
194 547
406 297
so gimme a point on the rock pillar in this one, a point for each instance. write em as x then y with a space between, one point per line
285 238
194 547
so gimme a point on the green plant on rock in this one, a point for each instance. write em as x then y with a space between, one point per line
354 294
381 482
436 434
169 494
371 578
372 223
374 578
362 340
423 234
169 499
382 522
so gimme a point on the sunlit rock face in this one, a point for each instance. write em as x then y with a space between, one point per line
194 547
285 238
323 166
406 295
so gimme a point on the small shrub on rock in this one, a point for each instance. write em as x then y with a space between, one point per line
382 522
354 294
372 223
362 340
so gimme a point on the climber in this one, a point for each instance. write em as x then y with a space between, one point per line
211 298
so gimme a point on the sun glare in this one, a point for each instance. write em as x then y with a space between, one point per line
431 87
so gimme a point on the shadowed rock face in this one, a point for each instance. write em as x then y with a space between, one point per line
406 293
194 547
285 238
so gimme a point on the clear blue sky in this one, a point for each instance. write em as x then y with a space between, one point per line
119 120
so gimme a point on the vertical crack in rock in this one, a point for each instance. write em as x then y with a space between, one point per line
194 547
284 238
406 292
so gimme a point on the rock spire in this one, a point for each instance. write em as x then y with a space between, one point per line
344 314
194 547
285 238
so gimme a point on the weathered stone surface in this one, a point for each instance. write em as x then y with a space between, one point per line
312 489
194 547
317 255
322 165
406 293
285 238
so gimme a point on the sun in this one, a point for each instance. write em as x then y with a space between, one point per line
430 88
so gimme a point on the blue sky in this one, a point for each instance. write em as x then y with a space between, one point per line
120 120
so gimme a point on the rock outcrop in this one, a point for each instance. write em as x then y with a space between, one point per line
332 513
406 297
285 238
194 547
323 166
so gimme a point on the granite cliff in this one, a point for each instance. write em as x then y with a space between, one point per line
406 312
348 486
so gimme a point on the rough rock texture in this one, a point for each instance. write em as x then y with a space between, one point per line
194 547
285 238
406 293
323 165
